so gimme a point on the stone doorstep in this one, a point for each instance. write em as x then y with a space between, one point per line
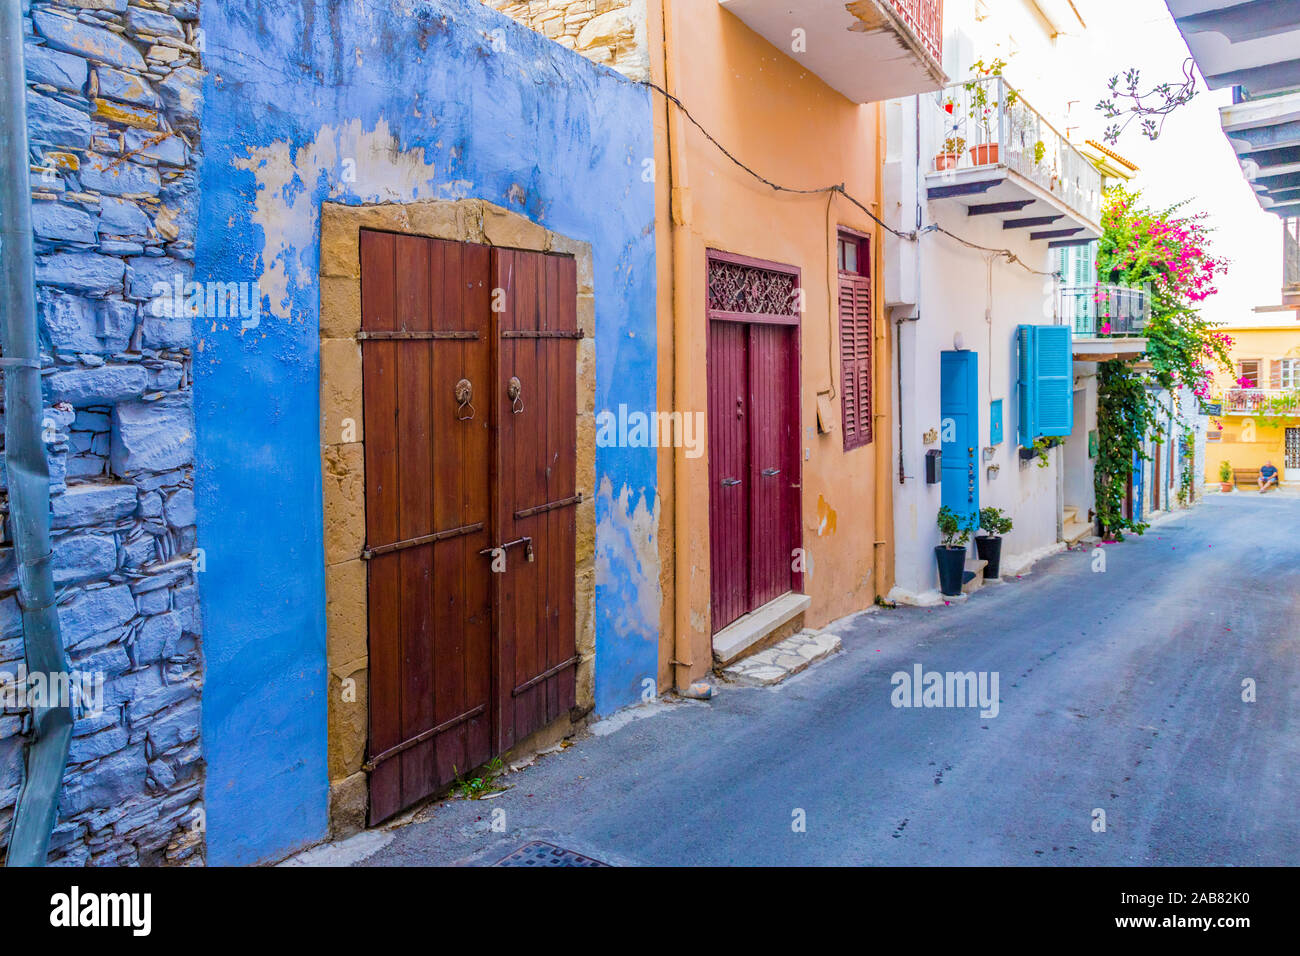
783 660
1075 531
737 637
975 568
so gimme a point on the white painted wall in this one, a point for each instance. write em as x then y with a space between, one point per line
937 289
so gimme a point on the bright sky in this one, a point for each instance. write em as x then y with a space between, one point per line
1191 159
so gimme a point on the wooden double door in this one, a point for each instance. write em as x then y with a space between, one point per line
469 358
754 473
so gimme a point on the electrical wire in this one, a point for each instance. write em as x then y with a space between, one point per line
837 188
911 236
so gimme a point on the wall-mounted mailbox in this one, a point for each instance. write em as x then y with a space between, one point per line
933 466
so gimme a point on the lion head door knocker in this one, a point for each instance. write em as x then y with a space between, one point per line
513 390
464 394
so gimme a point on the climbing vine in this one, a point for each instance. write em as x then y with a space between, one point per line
1124 416
1168 254
1187 475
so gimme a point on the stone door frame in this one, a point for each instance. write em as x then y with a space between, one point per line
343 460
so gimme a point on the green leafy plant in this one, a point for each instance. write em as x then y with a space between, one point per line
954 145
476 788
994 521
1187 471
1124 416
1225 471
1040 150
954 529
983 106
1169 255
1040 448
1274 409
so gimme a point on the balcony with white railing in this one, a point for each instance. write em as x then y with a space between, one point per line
1261 401
1108 320
868 50
996 154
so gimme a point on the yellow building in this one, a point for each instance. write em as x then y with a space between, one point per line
1260 401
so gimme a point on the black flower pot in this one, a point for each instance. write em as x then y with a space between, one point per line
989 548
952 565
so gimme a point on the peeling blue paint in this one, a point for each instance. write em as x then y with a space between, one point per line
460 102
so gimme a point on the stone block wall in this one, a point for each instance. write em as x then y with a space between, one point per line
114 89
609 32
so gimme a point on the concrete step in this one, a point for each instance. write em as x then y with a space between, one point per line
740 635
1075 531
784 659
973 575
1070 513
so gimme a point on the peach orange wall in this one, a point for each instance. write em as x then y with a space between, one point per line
792 129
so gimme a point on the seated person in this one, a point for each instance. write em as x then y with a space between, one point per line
1267 477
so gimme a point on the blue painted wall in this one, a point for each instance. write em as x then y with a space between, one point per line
431 100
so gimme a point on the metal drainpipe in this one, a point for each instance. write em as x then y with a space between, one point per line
25 463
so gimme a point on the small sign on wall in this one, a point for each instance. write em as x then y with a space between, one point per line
1092 443
995 422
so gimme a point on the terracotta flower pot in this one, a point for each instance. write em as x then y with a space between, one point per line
984 155
945 161
1225 486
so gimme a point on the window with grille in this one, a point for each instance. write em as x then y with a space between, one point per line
855 339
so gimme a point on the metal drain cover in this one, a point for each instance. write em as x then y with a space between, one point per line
539 853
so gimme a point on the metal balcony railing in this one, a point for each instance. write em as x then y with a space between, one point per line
1255 401
987 122
925 19
1101 309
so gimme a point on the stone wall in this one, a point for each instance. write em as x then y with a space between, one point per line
114 89
609 32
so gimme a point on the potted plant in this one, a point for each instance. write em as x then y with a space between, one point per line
994 523
952 150
1225 476
955 531
987 109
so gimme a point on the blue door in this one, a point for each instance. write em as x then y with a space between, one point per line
959 430
1139 473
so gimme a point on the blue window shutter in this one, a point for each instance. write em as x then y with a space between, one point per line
1026 385
1054 405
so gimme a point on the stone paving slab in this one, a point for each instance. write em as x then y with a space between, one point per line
782 660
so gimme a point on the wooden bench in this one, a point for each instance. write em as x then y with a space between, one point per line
1245 476
1250 478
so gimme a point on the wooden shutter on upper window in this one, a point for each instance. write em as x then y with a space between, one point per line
1274 374
855 360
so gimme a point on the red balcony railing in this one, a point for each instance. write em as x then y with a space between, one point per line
925 19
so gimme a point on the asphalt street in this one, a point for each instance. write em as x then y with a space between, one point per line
1120 690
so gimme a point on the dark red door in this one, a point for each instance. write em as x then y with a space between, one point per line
772 429
456 470
754 470
729 470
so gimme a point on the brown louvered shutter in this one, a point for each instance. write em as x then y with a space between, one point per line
855 359
1274 373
